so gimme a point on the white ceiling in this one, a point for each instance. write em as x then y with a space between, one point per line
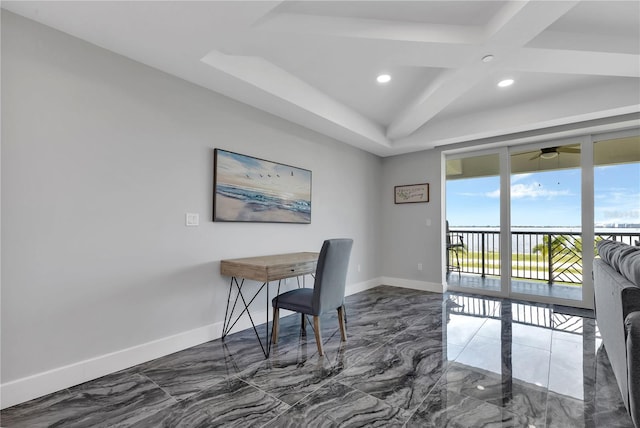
315 62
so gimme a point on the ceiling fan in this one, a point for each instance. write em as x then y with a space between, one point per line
552 152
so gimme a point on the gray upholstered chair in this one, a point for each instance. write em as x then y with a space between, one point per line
327 293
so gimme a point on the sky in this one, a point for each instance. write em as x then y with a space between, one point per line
264 176
549 198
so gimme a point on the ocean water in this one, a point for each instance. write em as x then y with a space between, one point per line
261 201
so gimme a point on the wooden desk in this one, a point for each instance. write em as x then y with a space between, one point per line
263 269
270 268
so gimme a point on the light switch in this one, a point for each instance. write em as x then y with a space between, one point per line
192 219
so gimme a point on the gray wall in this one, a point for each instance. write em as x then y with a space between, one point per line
101 159
406 237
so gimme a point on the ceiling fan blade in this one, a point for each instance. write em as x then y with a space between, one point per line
568 150
535 157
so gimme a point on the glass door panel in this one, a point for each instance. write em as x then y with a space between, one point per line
473 217
546 232
617 190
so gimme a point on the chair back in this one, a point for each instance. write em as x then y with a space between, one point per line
331 275
448 234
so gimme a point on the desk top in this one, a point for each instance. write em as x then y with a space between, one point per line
270 268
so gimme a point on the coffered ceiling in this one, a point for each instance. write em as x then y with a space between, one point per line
315 63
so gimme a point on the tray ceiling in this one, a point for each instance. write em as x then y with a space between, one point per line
315 63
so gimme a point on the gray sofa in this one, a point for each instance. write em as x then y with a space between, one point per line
616 275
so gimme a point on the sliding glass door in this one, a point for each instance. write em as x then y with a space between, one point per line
546 232
617 189
473 219
523 220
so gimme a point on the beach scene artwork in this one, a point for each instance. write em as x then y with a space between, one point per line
248 189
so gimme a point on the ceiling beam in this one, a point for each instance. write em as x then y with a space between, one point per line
262 76
574 62
370 29
516 24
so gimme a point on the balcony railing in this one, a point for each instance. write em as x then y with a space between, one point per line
551 256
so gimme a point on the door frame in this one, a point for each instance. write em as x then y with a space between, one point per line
586 219
501 152
586 142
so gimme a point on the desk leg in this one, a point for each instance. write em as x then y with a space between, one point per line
246 309
227 315
229 323
227 326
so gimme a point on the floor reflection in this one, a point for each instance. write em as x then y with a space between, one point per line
519 286
538 363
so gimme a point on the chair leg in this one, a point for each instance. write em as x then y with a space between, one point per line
316 328
448 260
303 323
276 324
343 330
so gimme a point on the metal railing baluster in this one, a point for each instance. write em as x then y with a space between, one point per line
562 254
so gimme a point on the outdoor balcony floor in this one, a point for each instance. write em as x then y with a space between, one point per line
492 283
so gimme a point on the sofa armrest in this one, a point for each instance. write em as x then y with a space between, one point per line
616 298
632 329
630 295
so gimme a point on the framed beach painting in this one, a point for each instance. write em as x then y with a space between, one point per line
248 189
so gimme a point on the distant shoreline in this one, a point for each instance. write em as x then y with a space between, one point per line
231 209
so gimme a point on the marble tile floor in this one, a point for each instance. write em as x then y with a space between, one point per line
412 359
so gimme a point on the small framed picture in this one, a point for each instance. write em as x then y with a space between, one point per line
411 193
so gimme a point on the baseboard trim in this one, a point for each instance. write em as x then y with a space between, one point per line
40 384
362 286
413 284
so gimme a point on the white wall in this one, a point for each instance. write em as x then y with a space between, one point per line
101 159
407 240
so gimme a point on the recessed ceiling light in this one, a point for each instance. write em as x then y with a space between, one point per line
506 82
487 58
383 78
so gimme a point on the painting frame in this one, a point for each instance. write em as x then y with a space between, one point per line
249 189
411 193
